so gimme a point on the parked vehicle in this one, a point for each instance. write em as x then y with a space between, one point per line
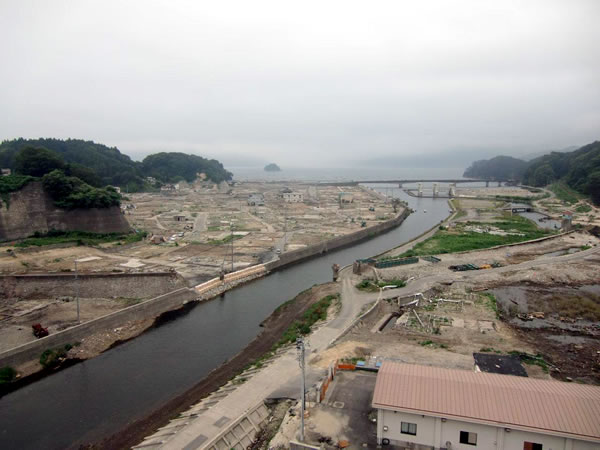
39 331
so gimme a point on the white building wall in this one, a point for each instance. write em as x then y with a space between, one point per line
434 432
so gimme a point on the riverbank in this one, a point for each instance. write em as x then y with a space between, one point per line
98 335
273 328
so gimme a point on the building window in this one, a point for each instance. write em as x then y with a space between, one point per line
468 438
408 428
532 446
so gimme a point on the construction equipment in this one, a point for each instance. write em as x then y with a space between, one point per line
39 331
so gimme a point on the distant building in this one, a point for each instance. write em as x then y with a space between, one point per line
293 197
151 180
435 408
567 221
179 218
168 188
6 172
256 200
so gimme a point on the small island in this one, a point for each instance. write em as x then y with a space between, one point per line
272 168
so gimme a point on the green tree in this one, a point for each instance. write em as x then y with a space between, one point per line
37 162
543 175
593 186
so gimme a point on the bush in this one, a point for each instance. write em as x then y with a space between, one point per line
71 192
7 374
53 357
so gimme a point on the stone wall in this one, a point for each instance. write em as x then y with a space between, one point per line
31 209
295 256
96 285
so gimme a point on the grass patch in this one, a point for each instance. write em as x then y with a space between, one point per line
7 374
565 193
490 350
316 312
431 344
535 360
492 304
226 240
459 239
368 285
583 208
80 237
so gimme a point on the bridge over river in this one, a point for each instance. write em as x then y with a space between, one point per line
400 182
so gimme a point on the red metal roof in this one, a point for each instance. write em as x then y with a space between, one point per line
545 406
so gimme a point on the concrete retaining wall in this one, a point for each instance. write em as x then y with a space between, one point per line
90 285
150 308
295 256
31 209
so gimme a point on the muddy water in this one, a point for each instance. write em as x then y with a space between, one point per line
98 397
535 217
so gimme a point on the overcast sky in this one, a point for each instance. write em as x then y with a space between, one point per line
304 82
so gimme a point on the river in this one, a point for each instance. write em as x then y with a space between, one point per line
96 398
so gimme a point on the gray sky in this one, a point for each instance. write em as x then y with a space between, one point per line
303 82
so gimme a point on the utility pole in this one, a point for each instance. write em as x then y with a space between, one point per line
300 347
231 237
77 291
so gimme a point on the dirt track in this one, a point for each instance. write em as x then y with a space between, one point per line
274 327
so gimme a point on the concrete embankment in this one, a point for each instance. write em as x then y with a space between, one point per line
310 251
149 308
88 285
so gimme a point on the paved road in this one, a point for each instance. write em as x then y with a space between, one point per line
281 378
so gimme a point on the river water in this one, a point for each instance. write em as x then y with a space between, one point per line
98 397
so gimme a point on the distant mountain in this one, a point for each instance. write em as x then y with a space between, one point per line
500 167
115 168
579 169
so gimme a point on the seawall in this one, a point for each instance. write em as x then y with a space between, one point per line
31 209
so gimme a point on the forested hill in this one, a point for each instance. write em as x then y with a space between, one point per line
109 164
500 168
579 169
172 167
115 168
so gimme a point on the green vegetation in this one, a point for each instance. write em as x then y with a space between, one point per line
12 183
7 375
316 312
500 167
71 192
583 208
537 360
52 357
489 350
430 343
99 165
459 239
492 303
579 170
566 194
226 240
174 167
80 237
368 285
